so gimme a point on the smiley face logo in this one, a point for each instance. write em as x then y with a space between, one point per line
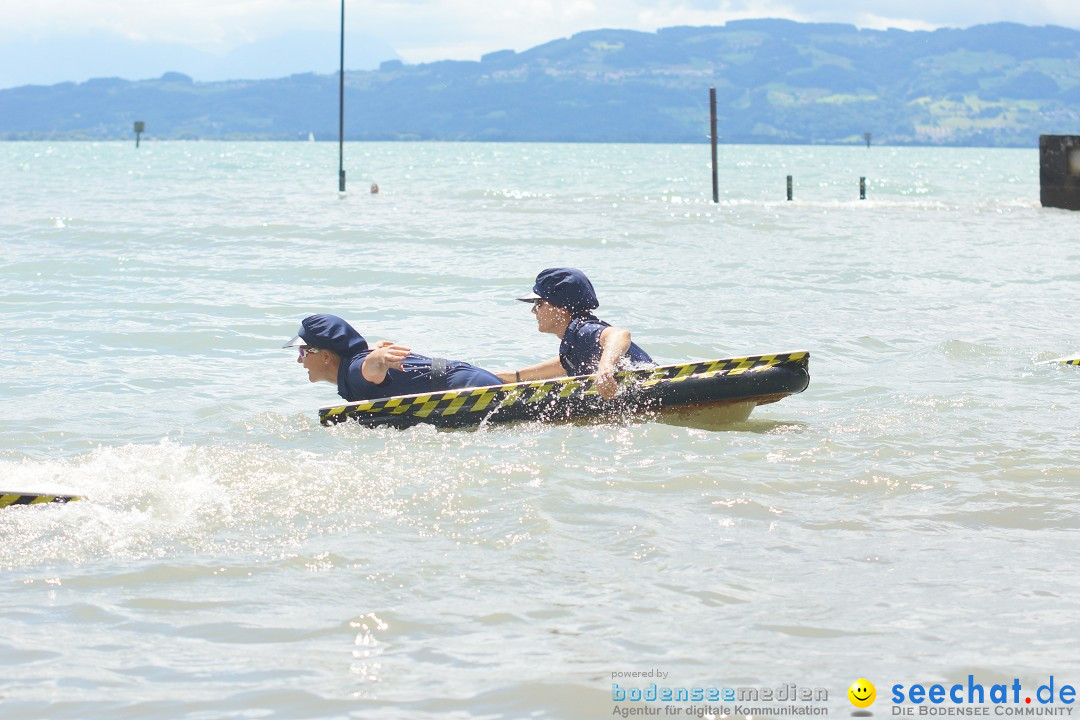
862 693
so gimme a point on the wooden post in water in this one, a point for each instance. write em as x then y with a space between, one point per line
341 108
866 137
862 188
1059 171
712 136
139 127
789 187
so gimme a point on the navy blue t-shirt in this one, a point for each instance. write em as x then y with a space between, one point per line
413 378
580 349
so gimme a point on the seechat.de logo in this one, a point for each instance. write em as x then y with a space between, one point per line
862 693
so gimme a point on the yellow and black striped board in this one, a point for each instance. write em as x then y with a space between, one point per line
1074 360
9 498
757 378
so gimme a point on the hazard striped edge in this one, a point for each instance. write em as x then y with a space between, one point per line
21 498
482 399
1074 360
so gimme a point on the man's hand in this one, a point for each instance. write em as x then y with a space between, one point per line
387 355
605 384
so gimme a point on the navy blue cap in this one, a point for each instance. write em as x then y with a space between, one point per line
566 288
330 333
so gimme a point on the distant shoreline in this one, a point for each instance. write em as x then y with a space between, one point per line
777 82
152 141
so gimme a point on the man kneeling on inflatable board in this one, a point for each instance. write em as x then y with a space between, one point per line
562 300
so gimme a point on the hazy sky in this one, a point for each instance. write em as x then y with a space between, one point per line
424 30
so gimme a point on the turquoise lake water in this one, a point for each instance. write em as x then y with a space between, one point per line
911 517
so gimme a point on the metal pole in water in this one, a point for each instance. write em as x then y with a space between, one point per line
789 187
862 188
139 127
341 107
712 135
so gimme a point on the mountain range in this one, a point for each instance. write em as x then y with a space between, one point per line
27 60
777 81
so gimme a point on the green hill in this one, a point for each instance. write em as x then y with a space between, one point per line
777 81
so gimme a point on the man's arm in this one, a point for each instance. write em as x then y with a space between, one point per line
552 368
615 342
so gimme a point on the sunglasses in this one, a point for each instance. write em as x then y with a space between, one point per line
305 351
